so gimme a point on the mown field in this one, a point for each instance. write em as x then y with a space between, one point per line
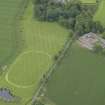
42 41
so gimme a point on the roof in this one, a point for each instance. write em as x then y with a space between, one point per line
88 40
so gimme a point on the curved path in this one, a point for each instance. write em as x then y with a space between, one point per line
24 86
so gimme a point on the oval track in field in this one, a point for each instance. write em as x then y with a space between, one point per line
27 68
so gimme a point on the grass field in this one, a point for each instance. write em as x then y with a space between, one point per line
42 43
100 14
25 64
8 38
79 79
88 1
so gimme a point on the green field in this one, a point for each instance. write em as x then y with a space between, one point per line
88 1
42 41
79 79
100 14
8 45
74 82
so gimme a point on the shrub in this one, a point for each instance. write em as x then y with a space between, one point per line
97 48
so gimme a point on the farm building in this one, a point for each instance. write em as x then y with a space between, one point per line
88 40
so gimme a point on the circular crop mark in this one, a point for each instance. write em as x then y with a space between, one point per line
28 68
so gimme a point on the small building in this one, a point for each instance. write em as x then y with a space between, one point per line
90 39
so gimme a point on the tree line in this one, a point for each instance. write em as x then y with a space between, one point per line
73 15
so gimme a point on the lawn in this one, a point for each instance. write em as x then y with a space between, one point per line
42 41
79 79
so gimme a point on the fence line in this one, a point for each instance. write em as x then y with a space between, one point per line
68 44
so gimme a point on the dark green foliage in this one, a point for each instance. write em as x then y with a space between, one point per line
51 10
72 15
103 35
52 14
71 34
98 48
68 23
83 24
103 51
97 27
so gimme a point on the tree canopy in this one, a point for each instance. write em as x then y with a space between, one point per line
72 15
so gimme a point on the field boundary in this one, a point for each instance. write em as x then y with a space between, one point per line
37 93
